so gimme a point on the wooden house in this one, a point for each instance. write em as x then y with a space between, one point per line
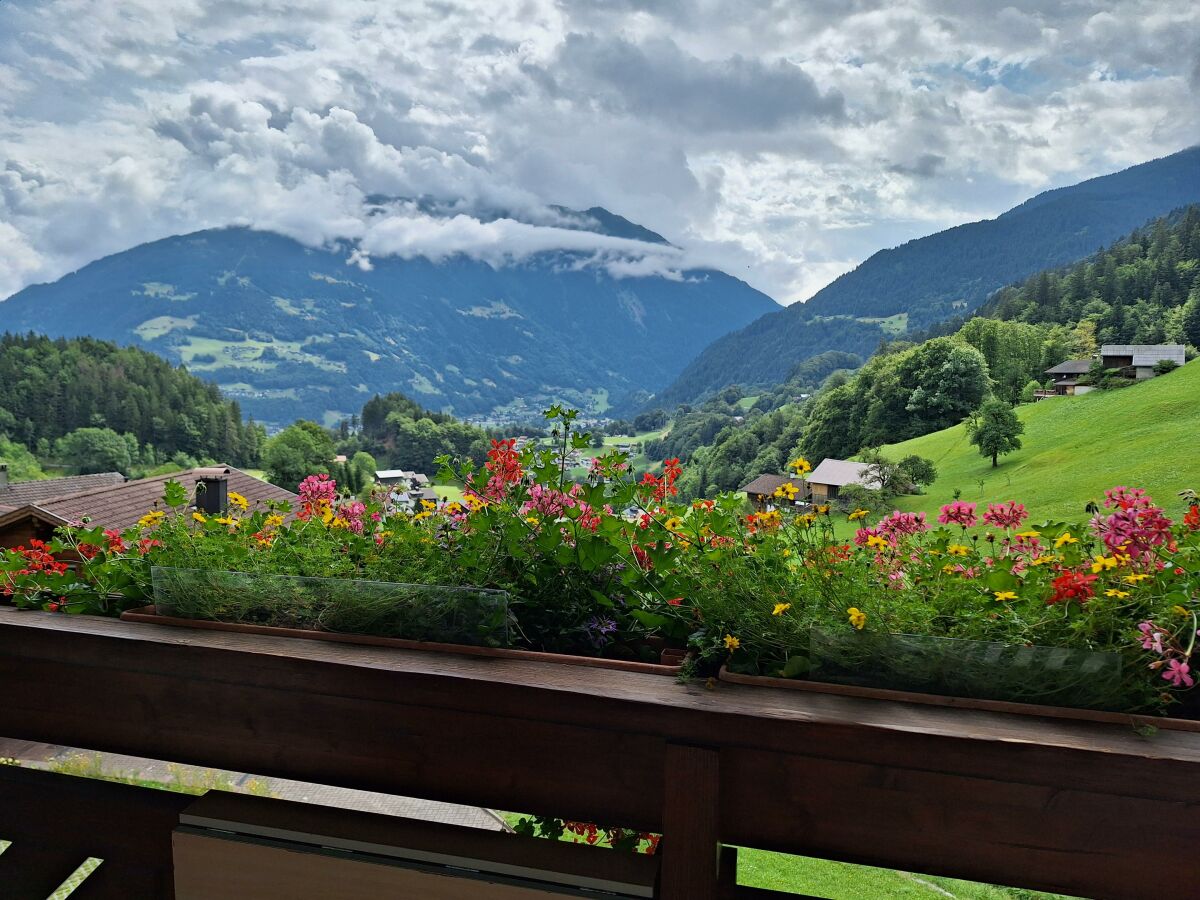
827 479
1138 360
761 491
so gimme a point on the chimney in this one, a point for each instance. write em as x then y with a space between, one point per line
212 490
3 475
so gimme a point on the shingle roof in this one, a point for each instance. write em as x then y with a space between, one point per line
23 493
120 506
767 484
1147 354
841 472
1071 367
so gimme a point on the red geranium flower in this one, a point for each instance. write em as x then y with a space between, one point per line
1072 585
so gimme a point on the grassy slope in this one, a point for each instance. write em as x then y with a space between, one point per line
1074 448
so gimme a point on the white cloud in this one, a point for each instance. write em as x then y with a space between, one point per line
784 144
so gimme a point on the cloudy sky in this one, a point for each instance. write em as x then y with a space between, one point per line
782 140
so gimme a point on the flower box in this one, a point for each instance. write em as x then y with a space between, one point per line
467 621
1030 680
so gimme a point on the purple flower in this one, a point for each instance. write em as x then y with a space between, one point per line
598 630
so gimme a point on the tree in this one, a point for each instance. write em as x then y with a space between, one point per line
1191 319
994 429
91 450
298 451
918 470
1030 390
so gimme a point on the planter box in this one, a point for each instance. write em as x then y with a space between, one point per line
177 592
1001 706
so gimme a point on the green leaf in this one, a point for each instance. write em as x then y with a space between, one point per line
174 494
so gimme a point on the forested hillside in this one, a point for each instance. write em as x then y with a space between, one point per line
948 275
51 388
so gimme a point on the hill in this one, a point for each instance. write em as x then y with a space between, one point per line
50 388
293 331
1074 448
944 275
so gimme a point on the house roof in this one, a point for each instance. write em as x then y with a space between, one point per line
768 484
415 477
23 493
841 472
120 506
1071 367
1147 354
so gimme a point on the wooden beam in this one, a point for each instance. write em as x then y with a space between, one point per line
691 815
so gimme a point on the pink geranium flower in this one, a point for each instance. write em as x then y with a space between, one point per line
1176 672
1151 637
958 513
1005 515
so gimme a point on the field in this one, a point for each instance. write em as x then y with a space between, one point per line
1074 448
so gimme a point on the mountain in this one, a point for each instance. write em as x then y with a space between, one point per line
294 331
944 275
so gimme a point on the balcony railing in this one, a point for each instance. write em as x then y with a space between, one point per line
1080 808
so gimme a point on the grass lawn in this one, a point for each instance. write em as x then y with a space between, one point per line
843 881
1074 448
448 491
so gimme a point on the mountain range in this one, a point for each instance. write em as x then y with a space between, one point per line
945 275
291 331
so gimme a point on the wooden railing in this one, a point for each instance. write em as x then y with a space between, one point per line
1081 808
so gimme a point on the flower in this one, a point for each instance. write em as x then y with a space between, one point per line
958 513
226 520
152 519
731 643
902 524
1005 515
1072 585
958 550
236 499
787 491
273 521
1042 560
1103 563
199 517
858 514
800 466
1135 578
1119 595
780 609
1137 527
1177 673
1191 519
1005 595
876 542
821 509
857 617
675 601
1064 539
1177 609
674 523
1152 638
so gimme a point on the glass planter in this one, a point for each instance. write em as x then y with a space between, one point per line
981 670
419 612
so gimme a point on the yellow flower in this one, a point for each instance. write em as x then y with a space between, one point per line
199 517
787 491
800 466
1102 563
1029 535
1177 609
780 609
424 514
731 643
1063 539
876 541
858 618
428 504
226 520
858 514
339 522
821 509
1113 592
274 520
948 569
474 502
533 520
958 549
674 523
151 519
1005 595
806 520
1043 560
236 499
454 507
787 551
1135 577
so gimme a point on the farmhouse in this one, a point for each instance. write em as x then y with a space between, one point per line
1066 377
761 491
118 504
827 479
1138 360
402 477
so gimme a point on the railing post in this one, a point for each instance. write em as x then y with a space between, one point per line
691 811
